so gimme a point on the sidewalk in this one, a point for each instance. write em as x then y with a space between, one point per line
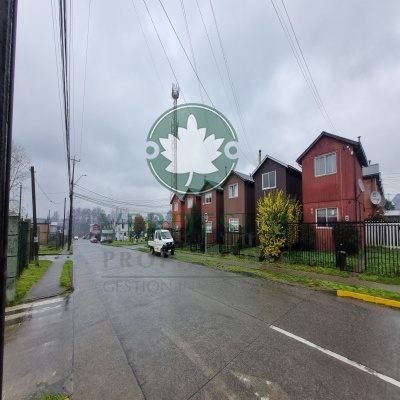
48 285
269 267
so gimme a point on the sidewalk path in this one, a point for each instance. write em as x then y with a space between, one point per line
269 267
48 284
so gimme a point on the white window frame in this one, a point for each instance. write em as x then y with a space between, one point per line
327 223
233 191
269 186
326 165
207 198
190 202
233 224
176 206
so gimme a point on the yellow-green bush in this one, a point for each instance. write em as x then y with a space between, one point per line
274 212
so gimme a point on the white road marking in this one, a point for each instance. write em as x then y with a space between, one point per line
35 304
24 314
339 357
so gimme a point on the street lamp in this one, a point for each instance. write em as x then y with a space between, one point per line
71 198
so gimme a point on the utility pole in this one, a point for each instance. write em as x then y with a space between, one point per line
174 129
20 199
71 199
8 29
63 234
35 234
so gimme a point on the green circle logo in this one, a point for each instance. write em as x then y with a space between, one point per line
190 145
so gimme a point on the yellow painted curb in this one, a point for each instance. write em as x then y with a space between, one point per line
369 298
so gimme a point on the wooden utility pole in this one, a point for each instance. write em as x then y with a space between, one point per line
63 233
71 199
8 29
35 233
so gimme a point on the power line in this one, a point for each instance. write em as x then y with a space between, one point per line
300 59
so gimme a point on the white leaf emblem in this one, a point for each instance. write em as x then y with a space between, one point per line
194 152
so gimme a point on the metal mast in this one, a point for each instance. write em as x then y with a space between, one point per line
174 131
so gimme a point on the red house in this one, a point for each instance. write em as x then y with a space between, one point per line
239 203
212 204
178 221
373 185
332 186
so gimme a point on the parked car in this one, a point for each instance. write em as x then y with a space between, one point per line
76 238
93 240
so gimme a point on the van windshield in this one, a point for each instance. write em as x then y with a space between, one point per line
166 235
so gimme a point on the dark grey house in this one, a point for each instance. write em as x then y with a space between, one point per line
273 174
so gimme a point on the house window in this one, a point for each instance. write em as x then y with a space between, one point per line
269 180
190 202
209 227
233 190
207 198
325 165
233 224
327 216
176 206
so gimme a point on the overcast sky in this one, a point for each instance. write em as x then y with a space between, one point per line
120 83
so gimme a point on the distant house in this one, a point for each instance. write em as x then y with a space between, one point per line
212 204
372 185
239 210
272 174
332 180
178 216
42 230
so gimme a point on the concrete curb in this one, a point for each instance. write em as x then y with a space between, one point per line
368 298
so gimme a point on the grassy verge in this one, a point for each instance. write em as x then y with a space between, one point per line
47 250
121 243
66 276
292 279
54 396
389 280
28 278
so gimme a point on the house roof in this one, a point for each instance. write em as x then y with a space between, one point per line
287 166
178 196
210 184
360 154
373 171
243 177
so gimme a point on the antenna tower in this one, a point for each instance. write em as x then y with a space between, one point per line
174 131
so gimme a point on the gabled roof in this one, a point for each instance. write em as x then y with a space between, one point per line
243 177
360 154
267 157
373 171
178 196
211 185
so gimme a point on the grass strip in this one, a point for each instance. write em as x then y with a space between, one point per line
54 396
48 251
121 244
66 276
28 278
294 279
389 280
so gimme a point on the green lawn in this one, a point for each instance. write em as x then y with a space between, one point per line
66 276
28 278
48 250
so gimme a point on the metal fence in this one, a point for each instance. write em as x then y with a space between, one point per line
372 247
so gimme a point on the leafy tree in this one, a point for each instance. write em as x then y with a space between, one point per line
139 225
274 212
194 221
389 205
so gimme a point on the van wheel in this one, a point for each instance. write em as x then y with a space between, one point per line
165 253
172 252
152 251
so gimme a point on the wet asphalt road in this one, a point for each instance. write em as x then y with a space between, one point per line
140 326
